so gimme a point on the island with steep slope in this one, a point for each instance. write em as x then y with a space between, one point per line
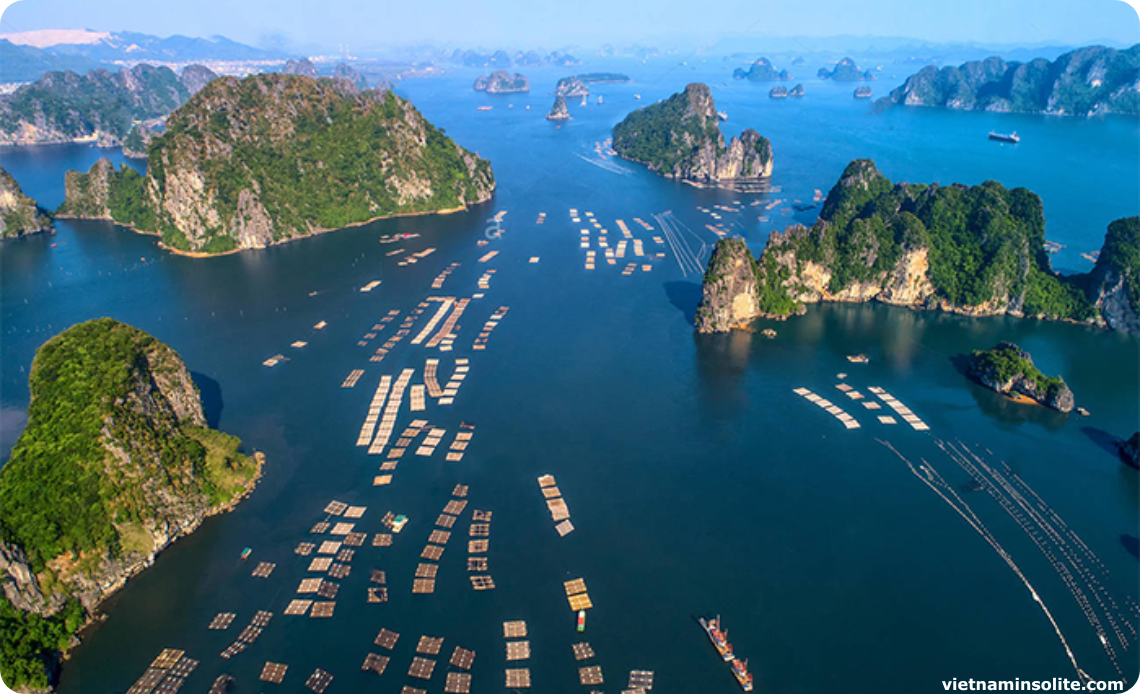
845 71
501 82
1088 81
970 250
761 71
19 214
559 111
254 162
680 138
115 464
571 86
100 106
1009 370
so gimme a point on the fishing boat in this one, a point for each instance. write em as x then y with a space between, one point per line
718 637
637 96
399 522
245 553
484 108
600 102
583 99
581 620
1002 137
742 675
858 358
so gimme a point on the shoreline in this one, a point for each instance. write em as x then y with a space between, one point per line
312 232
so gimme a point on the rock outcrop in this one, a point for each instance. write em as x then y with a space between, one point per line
345 72
970 250
115 464
1087 81
845 71
680 138
728 293
501 82
19 214
1114 284
98 107
196 77
303 67
778 93
1009 370
761 71
863 92
797 91
571 86
559 111
253 162
1130 450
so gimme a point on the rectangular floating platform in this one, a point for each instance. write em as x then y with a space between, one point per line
304 549
481 516
515 629
546 481
355 539
319 681
222 620
641 679
429 645
381 540
477 546
439 537
375 663
445 520
558 509
476 563
551 492
462 658
309 585
320 564
377 595
582 651
412 690
564 528
378 576
329 547
432 552
421 668
482 582
518 650
575 586
455 507
386 639
580 602
460 490
273 672
591 675
321 527
518 678
322 610
335 508
480 529
339 570
345 555
457 683
328 589
423 586
426 570
298 607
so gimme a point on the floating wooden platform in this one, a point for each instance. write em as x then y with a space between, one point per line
320 564
328 589
518 650
439 537
483 516
641 679
429 645
432 552
319 681
477 546
462 658
476 563
421 586
375 663
321 527
381 540
518 678
480 529
482 582
591 675
304 549
426 570
298 607
386 639
352 378
377 595
460 490
421 668
329 547
335 508
339 570
222 621
322 610
455 507
273 672
564 528
457 683
445 520
582 651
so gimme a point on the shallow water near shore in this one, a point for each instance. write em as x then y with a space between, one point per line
698 482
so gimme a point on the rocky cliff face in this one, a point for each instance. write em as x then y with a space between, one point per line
572 86
1009 370
729 292
303 67
1114 284
680 138
154 481
19 214
1130 450
196 77
100 106
1087 81
559 111
87 195
249 163
346 72
501 82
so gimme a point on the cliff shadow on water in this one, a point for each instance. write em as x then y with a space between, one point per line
210 392
1106 441
722 366
685 296
1003 409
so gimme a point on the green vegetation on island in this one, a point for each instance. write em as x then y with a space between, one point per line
1009 370
1090 80
19 214
116 461
680 137
977 250
761 71
252 162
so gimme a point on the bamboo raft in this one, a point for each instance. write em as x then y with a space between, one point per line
582 651
590 675
304 549
437 283
902 410
559 511
222 621
352 377
462 658
320 564
514 630
444 307
518 650
370 286
298 607
847 420
374 662
429 645
273 672
319 681
577 596
274 360
518 678
386 639
421 668
391 409
458 682
641 680
488 256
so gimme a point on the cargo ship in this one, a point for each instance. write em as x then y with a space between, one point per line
1002 137
718 637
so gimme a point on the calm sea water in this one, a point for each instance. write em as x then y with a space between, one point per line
698 482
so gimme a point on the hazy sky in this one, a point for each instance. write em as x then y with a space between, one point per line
517 23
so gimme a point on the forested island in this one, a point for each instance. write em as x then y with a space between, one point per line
1009 370
100 106
680 137
253 162
845 71
1088 81
501 82
761 71
975 250
19 214
115 463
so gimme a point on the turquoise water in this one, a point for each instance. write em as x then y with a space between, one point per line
698 482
